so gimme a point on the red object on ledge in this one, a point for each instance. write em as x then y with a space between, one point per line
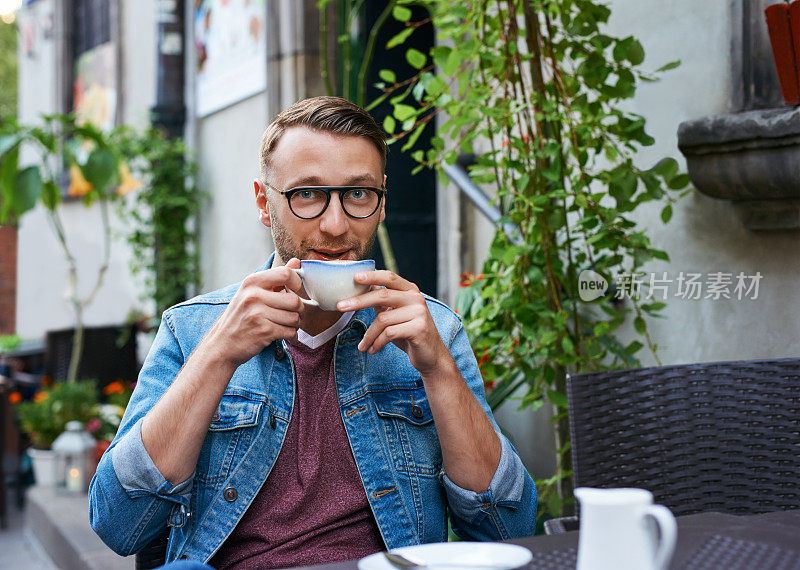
783 24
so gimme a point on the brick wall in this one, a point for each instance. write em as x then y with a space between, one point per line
8 279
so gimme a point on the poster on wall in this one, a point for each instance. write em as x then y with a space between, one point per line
95 87
231 46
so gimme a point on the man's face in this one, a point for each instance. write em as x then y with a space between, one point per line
304 157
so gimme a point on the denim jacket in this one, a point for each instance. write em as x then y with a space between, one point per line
386 416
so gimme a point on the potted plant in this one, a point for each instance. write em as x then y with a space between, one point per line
45 416
783 25
103 426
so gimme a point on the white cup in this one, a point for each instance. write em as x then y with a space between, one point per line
328 282
619 530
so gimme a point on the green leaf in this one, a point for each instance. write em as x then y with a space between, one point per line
51 195
8 172
99 168
453 63
7 142
400 38
387 75
639 325
634 52
416 58
666 213
28 187
404 112
401 13
557 398
679 182
670 65
667 168
389 124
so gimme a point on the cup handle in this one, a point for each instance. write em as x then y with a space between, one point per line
669 534
309 302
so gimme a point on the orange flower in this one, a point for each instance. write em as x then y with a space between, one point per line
114 388
39 397
14 398
466 279
127 182
78 185
46 380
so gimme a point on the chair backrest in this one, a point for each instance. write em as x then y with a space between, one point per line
702 437
109 354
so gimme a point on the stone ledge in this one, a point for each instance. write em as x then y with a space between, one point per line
751 159
60 522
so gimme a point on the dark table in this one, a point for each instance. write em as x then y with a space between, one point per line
709 536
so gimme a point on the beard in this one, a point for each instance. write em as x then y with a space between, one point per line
287 248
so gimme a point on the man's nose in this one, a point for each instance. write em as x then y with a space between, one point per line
334 221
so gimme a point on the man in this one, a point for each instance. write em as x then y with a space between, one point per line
266 433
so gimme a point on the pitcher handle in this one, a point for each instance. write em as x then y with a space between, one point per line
310 302
669 534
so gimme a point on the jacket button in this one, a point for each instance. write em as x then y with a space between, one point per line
272 422
417 411
230 494
280 353
216 417
358 328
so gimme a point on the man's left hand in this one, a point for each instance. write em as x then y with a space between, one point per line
403 318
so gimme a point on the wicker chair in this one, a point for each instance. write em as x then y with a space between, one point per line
719 437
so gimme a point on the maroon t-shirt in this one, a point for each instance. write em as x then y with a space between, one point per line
313 508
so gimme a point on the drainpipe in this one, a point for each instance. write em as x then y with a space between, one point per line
169 112
459 176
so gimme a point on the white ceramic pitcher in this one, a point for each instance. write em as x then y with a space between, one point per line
617 530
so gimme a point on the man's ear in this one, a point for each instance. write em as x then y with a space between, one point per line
262 203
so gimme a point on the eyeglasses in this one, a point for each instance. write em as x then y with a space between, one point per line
309 202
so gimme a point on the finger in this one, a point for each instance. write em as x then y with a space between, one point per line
273 279
286 333
384 278
283 318
285 300
393 333
379 297
385 319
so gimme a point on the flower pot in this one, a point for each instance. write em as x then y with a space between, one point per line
48 467
783 25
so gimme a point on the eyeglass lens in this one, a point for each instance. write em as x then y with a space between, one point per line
356 202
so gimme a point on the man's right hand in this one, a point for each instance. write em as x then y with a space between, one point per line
265 308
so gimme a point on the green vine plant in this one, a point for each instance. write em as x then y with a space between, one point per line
535 88
163 221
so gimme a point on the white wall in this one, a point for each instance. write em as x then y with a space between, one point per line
42 269
705 235
233 241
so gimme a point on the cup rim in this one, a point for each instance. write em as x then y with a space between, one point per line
337 263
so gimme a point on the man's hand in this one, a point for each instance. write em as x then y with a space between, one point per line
265 308
402 318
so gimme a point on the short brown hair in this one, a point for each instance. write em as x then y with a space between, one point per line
332 115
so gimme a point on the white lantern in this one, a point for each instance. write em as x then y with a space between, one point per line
76 447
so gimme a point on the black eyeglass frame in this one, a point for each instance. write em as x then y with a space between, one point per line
381 192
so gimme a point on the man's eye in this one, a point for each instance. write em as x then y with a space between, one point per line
357 194
307 194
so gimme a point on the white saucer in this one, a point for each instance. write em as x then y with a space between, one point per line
471 554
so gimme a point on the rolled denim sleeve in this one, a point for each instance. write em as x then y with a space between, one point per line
507 509
137 473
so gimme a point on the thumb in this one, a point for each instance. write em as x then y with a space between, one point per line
293 263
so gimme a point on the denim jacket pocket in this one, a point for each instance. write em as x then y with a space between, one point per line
409 428
229 435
